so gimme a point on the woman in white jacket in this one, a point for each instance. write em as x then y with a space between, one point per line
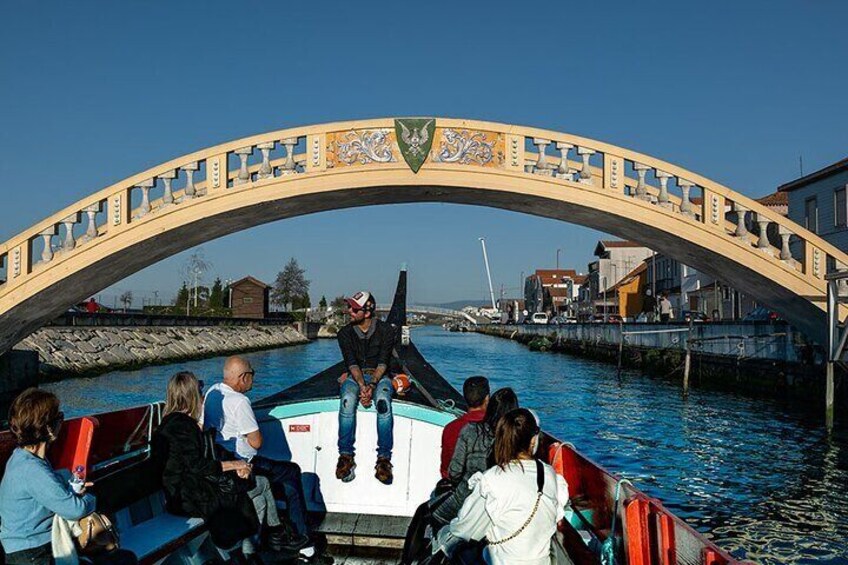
511 504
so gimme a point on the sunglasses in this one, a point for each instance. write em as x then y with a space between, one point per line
252 373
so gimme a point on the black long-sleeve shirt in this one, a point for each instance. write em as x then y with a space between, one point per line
368 350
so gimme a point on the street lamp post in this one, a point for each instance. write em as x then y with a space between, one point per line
558 250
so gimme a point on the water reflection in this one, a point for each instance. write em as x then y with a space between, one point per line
762 479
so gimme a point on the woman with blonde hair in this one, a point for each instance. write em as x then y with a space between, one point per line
516 504
193 480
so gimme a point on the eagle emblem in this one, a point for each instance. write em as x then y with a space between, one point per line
415 138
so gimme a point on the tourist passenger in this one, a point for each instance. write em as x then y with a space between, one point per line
191 477
228 410
473 453
32 493
366 344
476 392
516 504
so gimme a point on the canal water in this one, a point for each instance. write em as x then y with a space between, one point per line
760 477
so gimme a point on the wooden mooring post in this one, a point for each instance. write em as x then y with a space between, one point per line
687 362
837 336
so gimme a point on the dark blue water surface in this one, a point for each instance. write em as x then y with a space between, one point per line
761 478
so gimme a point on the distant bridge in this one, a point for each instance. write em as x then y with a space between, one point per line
433 311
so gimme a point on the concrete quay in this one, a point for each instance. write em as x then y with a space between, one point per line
77 351
768 359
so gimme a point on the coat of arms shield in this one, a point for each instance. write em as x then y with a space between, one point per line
415 138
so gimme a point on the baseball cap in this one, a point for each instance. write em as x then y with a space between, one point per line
358 300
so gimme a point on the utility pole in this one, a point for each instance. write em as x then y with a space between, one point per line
488 273
558 250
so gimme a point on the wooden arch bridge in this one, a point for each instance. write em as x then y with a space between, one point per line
112 233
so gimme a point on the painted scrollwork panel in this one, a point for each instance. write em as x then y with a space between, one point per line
361 147
469 147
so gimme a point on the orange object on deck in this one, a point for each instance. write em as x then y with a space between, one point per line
401 383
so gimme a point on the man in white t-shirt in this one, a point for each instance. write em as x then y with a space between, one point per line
228 410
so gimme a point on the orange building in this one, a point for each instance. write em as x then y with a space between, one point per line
630 292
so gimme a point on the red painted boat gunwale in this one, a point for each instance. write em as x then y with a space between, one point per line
649 528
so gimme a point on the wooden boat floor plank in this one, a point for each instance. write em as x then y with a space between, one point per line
364 525
364 556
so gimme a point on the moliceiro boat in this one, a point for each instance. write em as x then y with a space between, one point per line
364 521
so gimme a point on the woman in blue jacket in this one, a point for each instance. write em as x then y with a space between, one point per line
31 493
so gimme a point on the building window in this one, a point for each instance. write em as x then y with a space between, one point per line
839 207
247 300
811 215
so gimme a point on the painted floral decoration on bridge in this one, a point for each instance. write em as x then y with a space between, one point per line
361 147
466 147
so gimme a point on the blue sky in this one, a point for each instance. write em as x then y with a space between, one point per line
92 92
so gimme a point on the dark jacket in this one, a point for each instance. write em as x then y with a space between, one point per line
370 350
189 479
473 454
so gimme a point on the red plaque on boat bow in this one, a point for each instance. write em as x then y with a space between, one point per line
299 428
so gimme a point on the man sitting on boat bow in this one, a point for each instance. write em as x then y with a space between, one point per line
366 344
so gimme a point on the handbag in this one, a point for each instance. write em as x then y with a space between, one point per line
229 482
98 534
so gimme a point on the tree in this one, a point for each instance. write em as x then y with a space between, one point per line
301 302
194 269
338 303
126 299
183 297
290 285
216 295
322 304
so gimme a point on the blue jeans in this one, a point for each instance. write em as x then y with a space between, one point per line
348 403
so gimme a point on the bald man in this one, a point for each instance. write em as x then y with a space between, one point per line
229 411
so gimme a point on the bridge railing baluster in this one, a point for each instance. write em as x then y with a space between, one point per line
243 176
190 191
265 171
586 170
46 235
167 190
144 207
69 240
564 170
91 228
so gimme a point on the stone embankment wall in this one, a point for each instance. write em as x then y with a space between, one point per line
89 350
327 331
771 368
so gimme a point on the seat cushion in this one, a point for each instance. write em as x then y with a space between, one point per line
159 532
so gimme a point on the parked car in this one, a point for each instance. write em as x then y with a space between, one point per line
539 318
695 316
761 314
610 318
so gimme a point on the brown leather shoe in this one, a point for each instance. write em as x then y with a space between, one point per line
345 468
383 471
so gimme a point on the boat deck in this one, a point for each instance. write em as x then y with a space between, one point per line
351 556
364 530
